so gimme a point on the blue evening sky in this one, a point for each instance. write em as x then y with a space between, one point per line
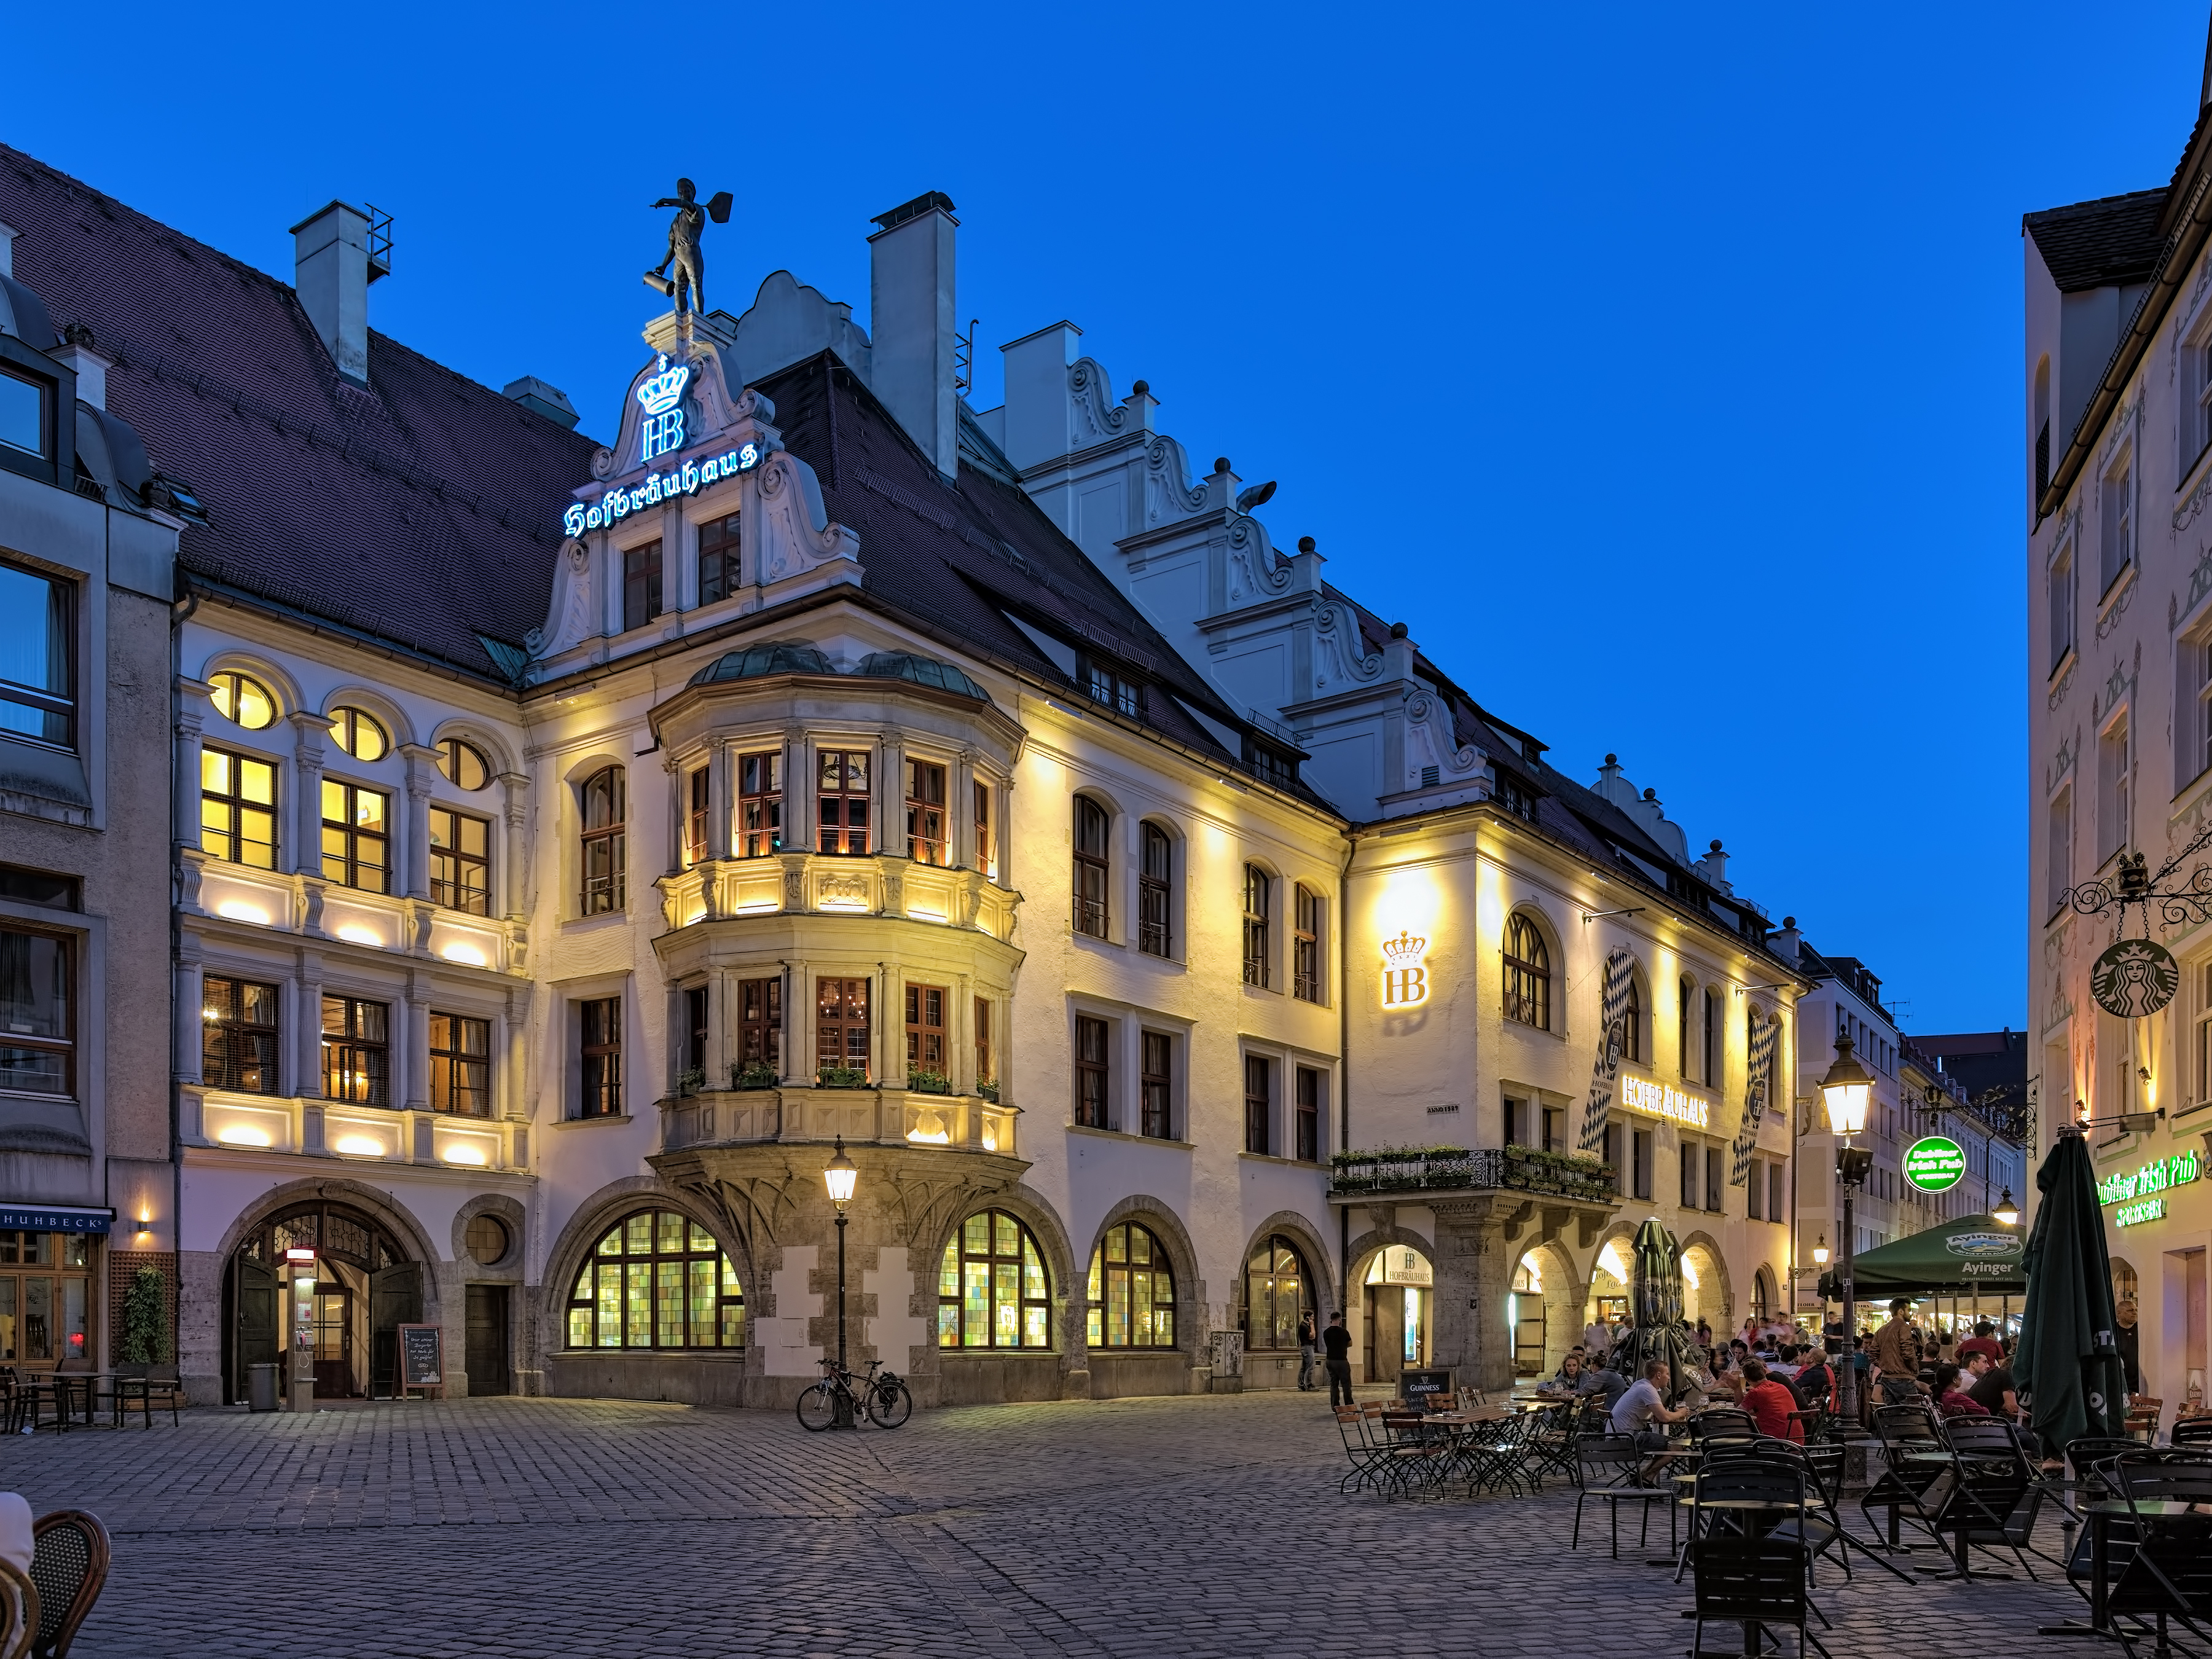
1660 367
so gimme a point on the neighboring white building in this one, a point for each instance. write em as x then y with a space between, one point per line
2116 454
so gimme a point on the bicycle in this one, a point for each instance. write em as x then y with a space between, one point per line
884 1399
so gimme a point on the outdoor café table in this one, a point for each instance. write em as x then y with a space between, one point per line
2101 1517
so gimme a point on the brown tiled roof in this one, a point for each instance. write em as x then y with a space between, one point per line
423 512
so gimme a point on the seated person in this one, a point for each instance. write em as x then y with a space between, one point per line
1951 1400
1770 1403
1643 1414
1570 1374
1603 1380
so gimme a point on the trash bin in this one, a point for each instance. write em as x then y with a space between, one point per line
261 1394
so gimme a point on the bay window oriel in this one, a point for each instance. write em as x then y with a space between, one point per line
760 804
926 829
841 1029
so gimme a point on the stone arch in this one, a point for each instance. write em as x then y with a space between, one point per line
1566 1296
381 1206
367 697
1715 1302
231 659
588 1222
1160 1220
485 739
1317 1255
1063 1273
1622 1233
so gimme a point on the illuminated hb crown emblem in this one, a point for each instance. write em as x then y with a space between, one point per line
1404 982
1405 951
664 391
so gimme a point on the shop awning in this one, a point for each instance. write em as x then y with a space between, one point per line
54 1218
1975 1255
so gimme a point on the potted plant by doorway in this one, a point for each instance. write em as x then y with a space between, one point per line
144 1341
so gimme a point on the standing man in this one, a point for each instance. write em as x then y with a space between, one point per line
2129 1341
1597 1339
1336 1342
1896 1355
1307 1338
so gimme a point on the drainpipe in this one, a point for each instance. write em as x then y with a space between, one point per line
1344 1059
177 621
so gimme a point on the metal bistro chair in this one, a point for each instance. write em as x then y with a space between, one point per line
2142 1417
1906 1488
1551 1435
1817 1527
1753 1582
2167 1573
1990 1496
1722 1421
2190 1431
69 1569
1368 1458
1420 1452
1609 1463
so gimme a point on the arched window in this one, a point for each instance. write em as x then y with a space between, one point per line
360 734
464 764
1091 866
1154 889
1258 890
604 844
1527 973
1631 1029
1762 1295
243 701
1131 1292
657 1279
1277 1292
991 1289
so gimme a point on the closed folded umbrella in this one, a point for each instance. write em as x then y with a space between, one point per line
2067 1370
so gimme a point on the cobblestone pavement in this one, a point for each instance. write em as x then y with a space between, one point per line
1110 1530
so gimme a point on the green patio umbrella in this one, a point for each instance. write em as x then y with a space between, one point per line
1974 1255
1657 1330
2067 1370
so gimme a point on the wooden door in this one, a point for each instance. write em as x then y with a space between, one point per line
395 1299
1386 1333
254 1340
487 1339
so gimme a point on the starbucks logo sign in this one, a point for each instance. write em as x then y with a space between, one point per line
2135 978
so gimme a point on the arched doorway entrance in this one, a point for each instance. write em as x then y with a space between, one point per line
366 1288
1400 1283
1705 1288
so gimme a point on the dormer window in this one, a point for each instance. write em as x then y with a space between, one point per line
1272 765
1107 685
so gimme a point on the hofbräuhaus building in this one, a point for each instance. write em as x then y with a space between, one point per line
575 842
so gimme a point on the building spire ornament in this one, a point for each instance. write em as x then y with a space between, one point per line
687 286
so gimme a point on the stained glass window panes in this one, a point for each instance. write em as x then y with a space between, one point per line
1132 1290
657 1279
993 1290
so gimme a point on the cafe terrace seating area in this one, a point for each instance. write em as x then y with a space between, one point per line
1759 1529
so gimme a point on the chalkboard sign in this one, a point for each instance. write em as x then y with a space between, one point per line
1431 1390
422 1359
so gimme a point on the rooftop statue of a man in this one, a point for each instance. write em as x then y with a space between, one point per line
687 286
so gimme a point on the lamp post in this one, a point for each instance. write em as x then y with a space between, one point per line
839 1176
1844 1092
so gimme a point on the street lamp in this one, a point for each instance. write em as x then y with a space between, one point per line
1820 1252
840 1176
2007 1212
1844 1092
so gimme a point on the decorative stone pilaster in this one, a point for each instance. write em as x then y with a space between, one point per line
515 819
417 1050
307 1025
308 732
192 706
415 853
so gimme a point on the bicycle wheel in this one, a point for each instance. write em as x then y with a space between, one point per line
817 1409
890 1404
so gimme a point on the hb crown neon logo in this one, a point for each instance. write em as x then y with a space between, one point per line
662 396
1404 981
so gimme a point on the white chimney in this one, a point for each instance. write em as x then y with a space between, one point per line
1040 415
332 272
910 325
91 365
